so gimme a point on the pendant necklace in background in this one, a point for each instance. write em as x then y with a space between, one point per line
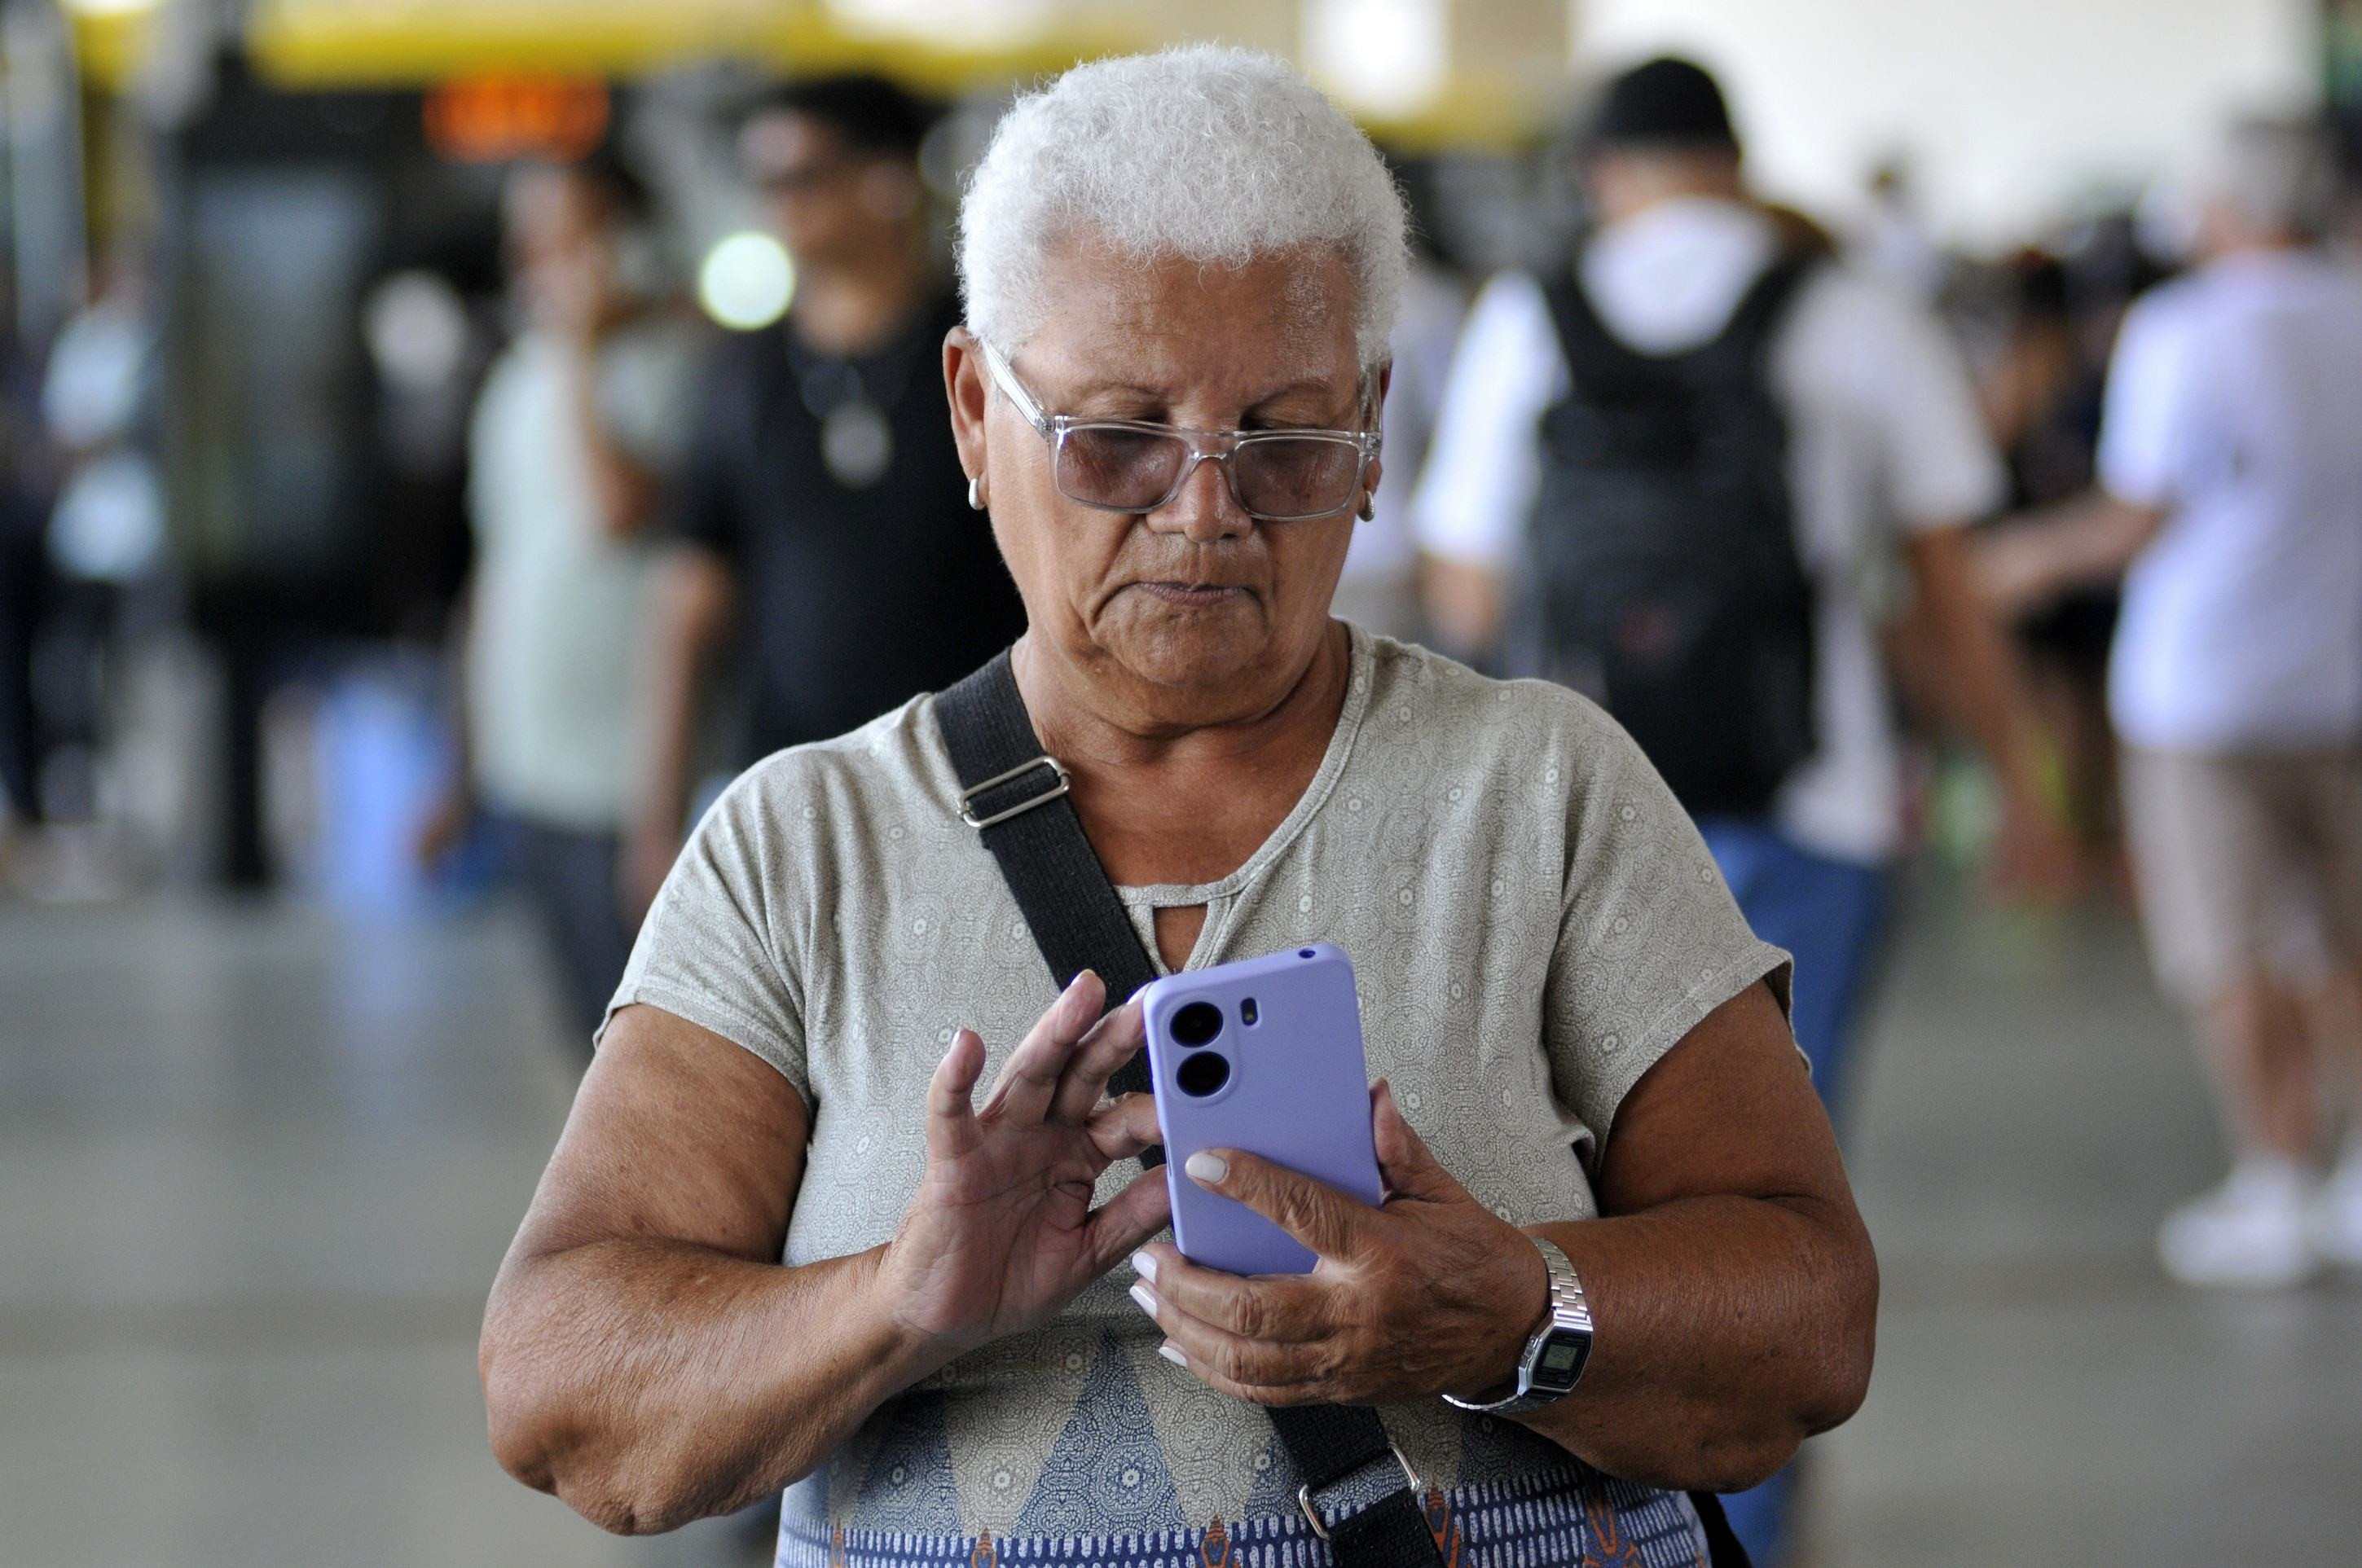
856 436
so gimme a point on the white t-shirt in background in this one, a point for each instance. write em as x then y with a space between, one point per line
2235 402
553 710
1884 440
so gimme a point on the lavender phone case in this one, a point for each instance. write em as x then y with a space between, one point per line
1298 1095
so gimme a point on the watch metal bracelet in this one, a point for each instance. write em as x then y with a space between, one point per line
1559 1348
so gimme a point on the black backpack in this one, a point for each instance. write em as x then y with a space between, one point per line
1664 578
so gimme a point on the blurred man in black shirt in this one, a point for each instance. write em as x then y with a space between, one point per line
823 512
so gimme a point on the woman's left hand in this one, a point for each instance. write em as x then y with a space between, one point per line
1431 1294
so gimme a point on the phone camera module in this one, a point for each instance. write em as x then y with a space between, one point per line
1196 1024
1203 1074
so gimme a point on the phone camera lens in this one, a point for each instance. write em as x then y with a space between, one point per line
1196 1024
1249 1014
1203 1074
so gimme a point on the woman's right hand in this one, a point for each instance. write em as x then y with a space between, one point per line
1001 1234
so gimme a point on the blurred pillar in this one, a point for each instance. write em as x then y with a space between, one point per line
43 127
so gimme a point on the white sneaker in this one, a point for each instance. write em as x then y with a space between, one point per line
2336 1217
2251 1232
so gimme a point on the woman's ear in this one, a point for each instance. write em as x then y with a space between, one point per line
968 391
1376 414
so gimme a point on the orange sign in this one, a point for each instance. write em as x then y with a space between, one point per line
498 119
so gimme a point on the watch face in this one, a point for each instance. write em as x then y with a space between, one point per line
1560 1362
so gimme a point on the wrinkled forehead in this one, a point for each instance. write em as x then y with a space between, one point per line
1183 325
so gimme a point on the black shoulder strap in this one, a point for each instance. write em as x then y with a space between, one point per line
1761 311
1018 796
1596 359
1014 795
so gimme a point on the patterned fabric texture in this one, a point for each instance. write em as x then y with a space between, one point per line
1565 1515
1533 924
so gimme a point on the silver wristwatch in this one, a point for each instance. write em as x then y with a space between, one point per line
1554 1357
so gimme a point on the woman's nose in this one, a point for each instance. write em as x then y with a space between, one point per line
1204 509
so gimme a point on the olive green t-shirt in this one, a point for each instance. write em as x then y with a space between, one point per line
1533 923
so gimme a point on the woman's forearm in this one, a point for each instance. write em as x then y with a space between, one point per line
650 1383
1729 1329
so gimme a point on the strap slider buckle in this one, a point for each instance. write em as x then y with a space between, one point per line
968 798
1312 1515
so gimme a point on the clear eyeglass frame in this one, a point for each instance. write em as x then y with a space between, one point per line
1218 447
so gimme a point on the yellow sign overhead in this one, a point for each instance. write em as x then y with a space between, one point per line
1487 94
407 42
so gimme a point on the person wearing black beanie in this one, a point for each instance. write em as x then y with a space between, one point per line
1667 102
1659 132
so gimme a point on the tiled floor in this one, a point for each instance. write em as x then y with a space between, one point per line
257 1165
2028 1109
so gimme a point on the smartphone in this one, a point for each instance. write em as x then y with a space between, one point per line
1263 1055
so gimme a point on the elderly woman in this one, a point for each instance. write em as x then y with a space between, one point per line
784 1244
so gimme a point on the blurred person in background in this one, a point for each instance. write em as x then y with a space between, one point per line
2041 390
2230 502
823 518
26 488
1380 587
106 539
97 397
1891 240
1786 429
579 425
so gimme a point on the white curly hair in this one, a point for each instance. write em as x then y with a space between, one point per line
1207 153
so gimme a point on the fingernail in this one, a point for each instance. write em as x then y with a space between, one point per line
1144 1265
1206 1167
1171 1354
1143 1298
1077 984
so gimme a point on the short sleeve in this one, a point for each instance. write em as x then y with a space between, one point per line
1934 454
2147 429
715 947
1649 941
706 507
1484 465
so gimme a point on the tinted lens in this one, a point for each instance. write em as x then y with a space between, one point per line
1111 467
1196 1024
1296 476
1203 1074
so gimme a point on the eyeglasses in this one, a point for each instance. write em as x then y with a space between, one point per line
1134 465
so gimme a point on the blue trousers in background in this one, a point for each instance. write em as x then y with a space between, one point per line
1831 915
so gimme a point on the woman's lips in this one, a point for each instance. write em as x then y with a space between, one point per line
1193 595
